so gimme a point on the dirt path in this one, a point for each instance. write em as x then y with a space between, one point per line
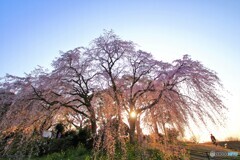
204 152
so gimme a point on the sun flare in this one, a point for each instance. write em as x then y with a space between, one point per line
133 114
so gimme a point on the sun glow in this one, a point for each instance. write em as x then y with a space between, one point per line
133 114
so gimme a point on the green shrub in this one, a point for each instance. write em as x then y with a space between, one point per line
84 137
80 153
137 152
36 146
154 154
56 156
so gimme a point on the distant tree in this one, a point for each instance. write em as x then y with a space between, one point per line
232 138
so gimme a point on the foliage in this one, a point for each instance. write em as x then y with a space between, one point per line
172 135
85 138
59 127
38 146
63 148
137 152
103 84
195 139
149 151
71 154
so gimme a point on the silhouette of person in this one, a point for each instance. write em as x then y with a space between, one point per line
214 141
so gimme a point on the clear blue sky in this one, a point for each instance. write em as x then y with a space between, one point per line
33 32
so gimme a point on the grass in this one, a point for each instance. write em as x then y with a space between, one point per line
80 153
134 152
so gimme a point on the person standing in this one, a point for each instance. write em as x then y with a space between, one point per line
214 141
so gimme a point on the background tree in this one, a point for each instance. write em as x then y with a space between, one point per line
6 99
70 85
23 113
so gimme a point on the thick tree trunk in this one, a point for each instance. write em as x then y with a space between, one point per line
94 127
139 131
156 132
165 134
92 120
132 124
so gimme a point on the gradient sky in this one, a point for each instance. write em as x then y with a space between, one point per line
33 32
